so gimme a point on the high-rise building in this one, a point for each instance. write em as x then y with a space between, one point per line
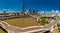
35 12
22 8
17 14
28 11
44 12
4 12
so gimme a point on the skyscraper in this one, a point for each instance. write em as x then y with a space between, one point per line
28 11
4 12
35 12
22 8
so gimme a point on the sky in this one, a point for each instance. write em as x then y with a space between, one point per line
40 5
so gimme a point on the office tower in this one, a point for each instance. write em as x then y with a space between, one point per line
22 8
4 12
17 14
35 12
44 12
28 11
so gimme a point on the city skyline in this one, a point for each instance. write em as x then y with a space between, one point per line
40 5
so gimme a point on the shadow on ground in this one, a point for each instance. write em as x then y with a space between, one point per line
3 29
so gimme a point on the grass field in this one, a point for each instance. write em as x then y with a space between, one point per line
21 22
1 31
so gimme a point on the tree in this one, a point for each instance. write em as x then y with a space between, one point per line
54 17
43 21
58 25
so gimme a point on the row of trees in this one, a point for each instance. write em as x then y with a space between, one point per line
43 21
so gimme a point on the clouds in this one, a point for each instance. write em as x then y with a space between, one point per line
8 10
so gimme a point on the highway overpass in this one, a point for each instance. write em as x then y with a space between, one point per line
31 29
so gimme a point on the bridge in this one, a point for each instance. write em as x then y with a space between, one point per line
32 29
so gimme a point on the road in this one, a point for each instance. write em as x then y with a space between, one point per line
13 29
